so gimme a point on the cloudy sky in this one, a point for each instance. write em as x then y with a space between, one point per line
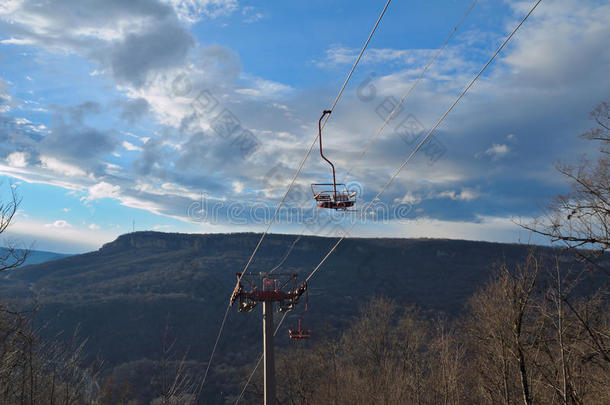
192 115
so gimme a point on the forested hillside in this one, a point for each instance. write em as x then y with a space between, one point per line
134 296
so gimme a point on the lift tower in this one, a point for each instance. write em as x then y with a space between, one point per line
253 288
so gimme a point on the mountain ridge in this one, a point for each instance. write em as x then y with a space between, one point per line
125 295
37 256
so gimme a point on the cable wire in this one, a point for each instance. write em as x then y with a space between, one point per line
300 167
415 83
421 143
390 116
408 158
337 98
207 369
359 56
287 253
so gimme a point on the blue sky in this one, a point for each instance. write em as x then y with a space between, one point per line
109 114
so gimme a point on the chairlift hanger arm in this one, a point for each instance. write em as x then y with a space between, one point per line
321 152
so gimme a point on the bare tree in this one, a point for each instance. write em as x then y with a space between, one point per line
10 255
501 333
32 370
581 218
177 385
573 341
526 339
446 365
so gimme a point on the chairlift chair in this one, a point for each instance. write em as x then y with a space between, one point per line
246 305
301 332
286 306
331 195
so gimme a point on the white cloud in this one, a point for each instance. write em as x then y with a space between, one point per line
251 15
192 11
166 189
112 168
497 150
43 24
22 121
17 159
68 239
172 93
238 187
130 146
409 198
465 194
60 167
468 194
559 47
127 41
142 204
339 55
8 6
60 223
262 88
94 227
489 228
102 190
491 100
40 175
